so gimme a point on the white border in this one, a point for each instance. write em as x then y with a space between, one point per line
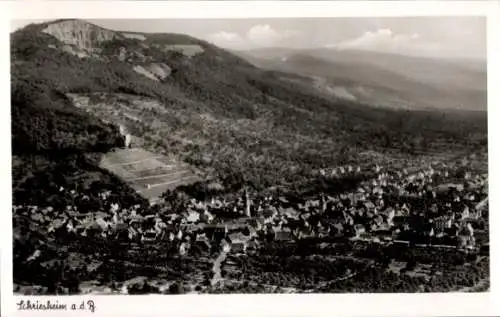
258 305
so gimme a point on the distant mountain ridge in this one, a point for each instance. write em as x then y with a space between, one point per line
419 82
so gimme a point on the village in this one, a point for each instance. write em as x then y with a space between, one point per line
433 206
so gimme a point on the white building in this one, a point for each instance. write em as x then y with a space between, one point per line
126 135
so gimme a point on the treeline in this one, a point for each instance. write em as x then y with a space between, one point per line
377 280
43 121
37 181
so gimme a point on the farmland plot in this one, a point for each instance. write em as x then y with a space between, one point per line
148 173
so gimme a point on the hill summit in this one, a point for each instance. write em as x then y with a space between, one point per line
81 34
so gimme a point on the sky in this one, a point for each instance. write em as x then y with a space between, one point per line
439 37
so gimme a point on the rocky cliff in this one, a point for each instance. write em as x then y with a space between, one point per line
83 35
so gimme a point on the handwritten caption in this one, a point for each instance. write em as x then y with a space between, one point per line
88 305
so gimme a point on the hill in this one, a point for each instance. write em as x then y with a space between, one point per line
385 79
204 105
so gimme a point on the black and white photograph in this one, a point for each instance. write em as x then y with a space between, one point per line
299 155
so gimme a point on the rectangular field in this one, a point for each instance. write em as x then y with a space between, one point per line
148 173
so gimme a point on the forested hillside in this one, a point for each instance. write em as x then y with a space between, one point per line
261 119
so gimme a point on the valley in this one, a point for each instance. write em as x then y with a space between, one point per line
161 163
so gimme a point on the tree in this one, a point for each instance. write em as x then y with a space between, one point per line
176 288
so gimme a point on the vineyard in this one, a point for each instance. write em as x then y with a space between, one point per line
148 173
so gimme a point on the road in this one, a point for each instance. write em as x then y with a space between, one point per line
217 277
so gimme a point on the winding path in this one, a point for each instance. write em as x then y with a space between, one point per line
217 277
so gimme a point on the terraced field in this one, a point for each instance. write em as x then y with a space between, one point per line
148 173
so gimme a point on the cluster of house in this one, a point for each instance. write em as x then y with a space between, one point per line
347 169
434 202
382 208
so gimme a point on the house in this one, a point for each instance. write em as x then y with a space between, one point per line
378 220
225 246
439 224
70 228
480 207
466 242
192 216
149 235
171 236
356 212
92 229
453 231
216 232
465 213
369 205
160 226
239 246
383 227
251 232
475 214
103 223
337 229
179 235
389 214
370 214
255 223
387 235
301 233
239 242
183 248
201 237
203 245
468 229
359 229
324 232
283 200
378 190
348 219
313 203
253 245
366 236
283 235
290 213
206 216
269 214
